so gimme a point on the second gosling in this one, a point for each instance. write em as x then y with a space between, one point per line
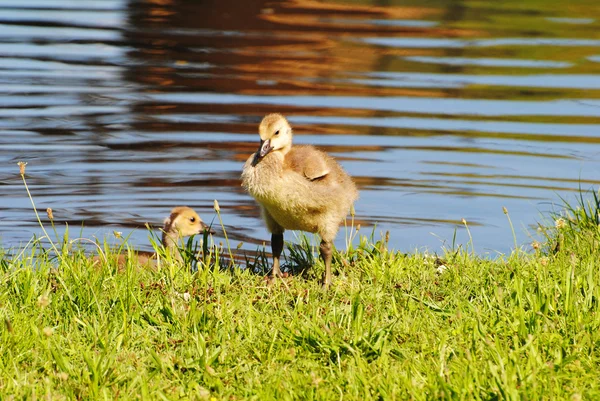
183 221
298 188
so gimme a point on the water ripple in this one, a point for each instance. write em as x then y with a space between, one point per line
124 109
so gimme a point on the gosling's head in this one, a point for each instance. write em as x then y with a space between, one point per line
184 222
275 135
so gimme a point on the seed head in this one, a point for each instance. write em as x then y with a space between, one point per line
560 223
352 211
43 301
117 234
49 213
504 210
535 245
48 331
316 380
204 394
573 259
241 244
22 167
441 268
463 221
216 205
358 227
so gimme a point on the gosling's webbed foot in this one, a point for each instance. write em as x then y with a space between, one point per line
274 276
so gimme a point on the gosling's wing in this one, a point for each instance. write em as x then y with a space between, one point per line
315 168
308 161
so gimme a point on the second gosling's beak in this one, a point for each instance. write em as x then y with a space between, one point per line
265 147
204 227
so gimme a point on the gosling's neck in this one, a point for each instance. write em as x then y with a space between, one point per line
274 158
170 241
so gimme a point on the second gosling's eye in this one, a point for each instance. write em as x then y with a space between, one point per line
277 132
193 219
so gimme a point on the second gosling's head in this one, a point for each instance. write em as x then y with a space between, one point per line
184 222
275 135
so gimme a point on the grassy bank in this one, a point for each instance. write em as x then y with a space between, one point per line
393 326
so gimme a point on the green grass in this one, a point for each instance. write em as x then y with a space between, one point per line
393 326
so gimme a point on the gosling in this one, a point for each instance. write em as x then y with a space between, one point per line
297 188
182 222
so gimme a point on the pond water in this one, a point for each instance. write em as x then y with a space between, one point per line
441 110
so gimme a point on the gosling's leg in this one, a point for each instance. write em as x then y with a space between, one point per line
326 255
276 247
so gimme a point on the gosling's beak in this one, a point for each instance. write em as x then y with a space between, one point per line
265 147
204 227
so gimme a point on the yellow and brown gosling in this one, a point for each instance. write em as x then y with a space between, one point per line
298 188
182 222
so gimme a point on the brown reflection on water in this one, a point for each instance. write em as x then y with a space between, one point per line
265 48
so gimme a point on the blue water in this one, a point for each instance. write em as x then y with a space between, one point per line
441 112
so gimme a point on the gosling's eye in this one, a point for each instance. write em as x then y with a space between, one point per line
277 132
192 219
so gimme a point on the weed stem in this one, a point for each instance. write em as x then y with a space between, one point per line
22 171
